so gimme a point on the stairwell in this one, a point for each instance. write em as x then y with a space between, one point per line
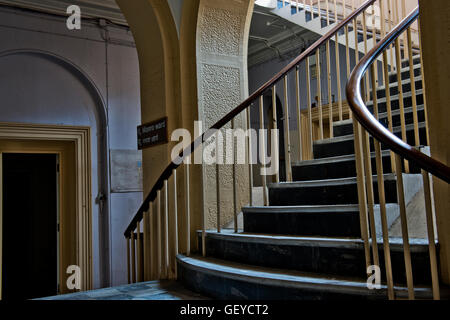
307 243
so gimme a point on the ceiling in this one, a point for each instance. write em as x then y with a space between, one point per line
270 36
274 37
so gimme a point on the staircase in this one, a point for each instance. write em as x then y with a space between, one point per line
307 243
315 237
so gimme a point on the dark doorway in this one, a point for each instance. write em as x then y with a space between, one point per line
29 226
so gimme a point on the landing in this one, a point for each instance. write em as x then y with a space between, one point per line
152 290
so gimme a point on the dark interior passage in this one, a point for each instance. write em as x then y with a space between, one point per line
29 226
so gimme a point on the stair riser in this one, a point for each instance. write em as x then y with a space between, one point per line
346 129
327 224
341 148
381 93
325 195
336 261
405 74
225 288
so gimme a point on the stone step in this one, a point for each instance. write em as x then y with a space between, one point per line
315 254
345 127
326 192
394 89
222 279
344 145
324 220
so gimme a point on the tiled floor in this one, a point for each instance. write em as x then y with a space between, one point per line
153 290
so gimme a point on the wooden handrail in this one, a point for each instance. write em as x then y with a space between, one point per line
236 111
374 127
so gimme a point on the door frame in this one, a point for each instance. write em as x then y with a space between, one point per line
80 137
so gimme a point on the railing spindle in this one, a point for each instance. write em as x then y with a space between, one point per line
319 93
382 199
276 155
338 77
128 261
299 121
152 242
388 105
308 98
250 157
287 148
431 235
330 102
263 149
218 200
139 252
362 195
413 89
133 258
145 244
175 222
400 97
187 207
158 235
404 226
235 187
166 230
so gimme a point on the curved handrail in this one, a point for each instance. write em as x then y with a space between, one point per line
227 118
373 126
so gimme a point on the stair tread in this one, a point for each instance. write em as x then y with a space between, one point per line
395 243
326 182
344 158
290 278
349 137
307 208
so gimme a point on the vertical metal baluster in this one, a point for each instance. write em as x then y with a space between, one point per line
166 230
335 12
388 105
328 12
308 98
263 149
145 243
276 155
370 194
347 58
344 9
362 195
128 261
404 225
319 94
218 184
382 198
413 89
338 77
158 234
330 102
320 12
175 222
431 236
287 149
424 91
400 96
139 252
366 79
250 156
152 243
187 207
235 188
299 121
133 258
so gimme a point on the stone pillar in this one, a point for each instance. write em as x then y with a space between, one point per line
222 41
435 27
